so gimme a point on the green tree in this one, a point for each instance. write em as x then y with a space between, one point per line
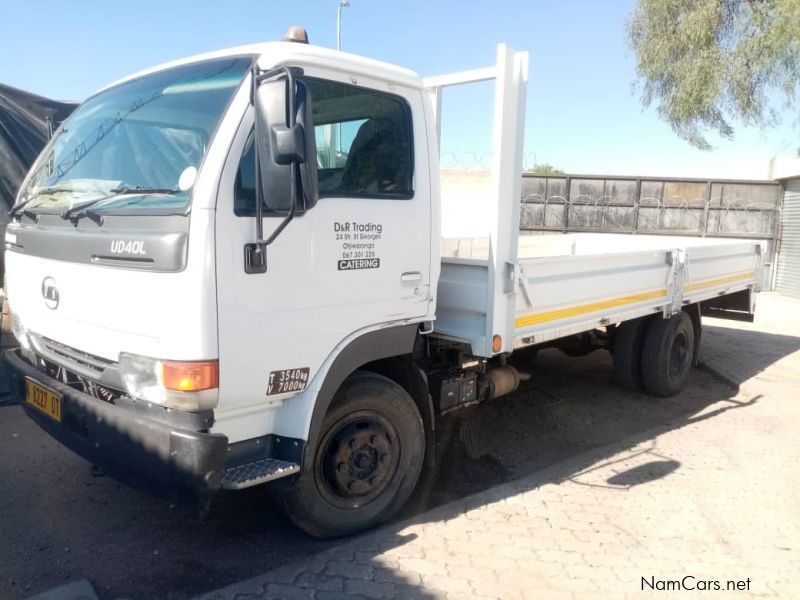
706 63
544 169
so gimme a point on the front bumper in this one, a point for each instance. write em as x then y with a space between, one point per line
177 463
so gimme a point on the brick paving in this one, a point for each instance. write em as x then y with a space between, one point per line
715 497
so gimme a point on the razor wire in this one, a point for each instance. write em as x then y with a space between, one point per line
647 215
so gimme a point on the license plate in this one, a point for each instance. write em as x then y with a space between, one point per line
43 399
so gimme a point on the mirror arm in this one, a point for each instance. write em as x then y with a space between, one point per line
288 218
254 81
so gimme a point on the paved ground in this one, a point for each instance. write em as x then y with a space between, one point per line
710 499
587 488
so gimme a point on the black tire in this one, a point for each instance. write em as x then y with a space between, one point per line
366 463
667 355
628 345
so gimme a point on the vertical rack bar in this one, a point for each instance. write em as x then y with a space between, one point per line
509 130
637 203
511 78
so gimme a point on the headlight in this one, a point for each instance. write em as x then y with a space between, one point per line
174 384
19 331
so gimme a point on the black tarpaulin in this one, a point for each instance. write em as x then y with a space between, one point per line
23 134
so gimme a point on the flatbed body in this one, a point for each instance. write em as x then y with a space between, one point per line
564 284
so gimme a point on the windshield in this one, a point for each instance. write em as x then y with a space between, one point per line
137 145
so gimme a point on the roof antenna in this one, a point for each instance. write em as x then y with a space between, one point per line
296 34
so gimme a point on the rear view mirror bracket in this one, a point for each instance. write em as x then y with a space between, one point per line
281 147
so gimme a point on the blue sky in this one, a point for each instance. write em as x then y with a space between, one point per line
582 115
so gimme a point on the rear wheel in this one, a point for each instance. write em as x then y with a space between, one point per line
367 461
667 354
628 345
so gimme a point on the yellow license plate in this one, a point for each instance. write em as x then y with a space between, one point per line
46 401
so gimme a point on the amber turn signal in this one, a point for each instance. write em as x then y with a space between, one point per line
191 376
497 343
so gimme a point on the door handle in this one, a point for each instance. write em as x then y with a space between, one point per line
411 276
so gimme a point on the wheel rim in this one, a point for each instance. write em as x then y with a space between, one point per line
357 460
679 355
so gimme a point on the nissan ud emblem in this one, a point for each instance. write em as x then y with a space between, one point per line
50 292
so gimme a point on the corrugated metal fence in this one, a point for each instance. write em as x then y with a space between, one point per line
660 206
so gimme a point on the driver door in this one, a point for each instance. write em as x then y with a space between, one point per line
358 260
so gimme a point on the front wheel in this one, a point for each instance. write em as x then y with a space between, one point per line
366 464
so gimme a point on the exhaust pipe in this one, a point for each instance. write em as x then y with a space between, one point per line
500 381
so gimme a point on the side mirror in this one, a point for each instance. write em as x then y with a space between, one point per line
283 141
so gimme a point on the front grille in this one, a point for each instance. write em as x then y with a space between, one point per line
84 359
78 382
62 362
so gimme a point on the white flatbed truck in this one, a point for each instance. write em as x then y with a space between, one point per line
228 271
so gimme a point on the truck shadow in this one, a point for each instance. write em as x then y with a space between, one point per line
569 407
559 426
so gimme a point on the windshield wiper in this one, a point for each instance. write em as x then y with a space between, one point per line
127 190
15 210
81 209
20 208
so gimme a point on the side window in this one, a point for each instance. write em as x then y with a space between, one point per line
364 147
244 188
364 142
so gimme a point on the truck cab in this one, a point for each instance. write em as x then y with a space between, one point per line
153 348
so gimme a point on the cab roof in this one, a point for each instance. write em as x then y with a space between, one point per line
271 54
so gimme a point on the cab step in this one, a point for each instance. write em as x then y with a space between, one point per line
257 472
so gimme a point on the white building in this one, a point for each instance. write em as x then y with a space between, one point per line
787 279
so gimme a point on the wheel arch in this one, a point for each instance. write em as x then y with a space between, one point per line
386 352
405 373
